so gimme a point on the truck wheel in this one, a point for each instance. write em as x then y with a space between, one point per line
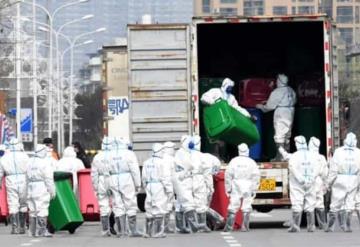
263 209
72 231
141 201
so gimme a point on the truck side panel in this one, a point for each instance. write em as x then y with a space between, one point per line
159 85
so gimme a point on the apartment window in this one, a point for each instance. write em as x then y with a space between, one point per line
280 10
293 10
206 6
228 11
306 10
253 7
306 1
228 1
344 14
357 13
344 1
346 35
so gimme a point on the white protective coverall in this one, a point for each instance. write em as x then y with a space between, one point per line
344 181
69 163
13 167
320 182
169 157
242 178
100 179
184 165
40 189
211 96
304 169
169 169
125 183
282 100
212 166
157 187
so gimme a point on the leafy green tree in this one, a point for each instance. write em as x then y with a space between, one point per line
89 131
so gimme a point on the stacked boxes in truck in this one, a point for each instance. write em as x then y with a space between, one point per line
168 62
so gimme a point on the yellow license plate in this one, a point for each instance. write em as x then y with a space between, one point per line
267 184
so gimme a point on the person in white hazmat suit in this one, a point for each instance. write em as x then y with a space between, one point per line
13 167
225 93
169 169
304 169
320 182
40 190
344 182
157 187
242 178
200 191
69 163
184 159
211 167
100 179
282 100
125 183
169 156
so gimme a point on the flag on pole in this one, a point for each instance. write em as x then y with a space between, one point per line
5 129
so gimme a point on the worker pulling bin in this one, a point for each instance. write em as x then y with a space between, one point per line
64 212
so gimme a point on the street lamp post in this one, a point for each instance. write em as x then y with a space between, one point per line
51 17
103 29
70 48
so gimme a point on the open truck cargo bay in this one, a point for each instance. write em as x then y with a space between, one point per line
168 61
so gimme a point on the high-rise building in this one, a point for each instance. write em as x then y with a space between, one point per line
114 15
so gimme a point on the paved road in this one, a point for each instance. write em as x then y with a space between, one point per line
267 231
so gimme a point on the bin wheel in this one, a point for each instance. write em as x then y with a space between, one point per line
50 228
72 231
6 222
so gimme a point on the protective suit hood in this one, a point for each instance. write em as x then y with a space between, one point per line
300 143
350 140
120 143
282 80
243 150
69 152
227 84
14 144
169 148
107 143
314 144
197 142
41 151
157 150
185 139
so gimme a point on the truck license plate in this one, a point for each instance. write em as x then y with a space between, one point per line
267 184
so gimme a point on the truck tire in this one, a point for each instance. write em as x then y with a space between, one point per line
263 209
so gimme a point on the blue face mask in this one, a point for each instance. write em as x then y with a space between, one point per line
191 145
2 152
228 90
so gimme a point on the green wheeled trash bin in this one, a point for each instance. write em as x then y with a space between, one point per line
64 211
223 122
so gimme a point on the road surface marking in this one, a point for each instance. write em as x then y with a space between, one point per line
35 240
26 244
261 215
231 241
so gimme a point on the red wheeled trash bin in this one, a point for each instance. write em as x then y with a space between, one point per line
4 210
89 205
220 201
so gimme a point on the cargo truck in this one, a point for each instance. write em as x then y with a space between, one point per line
168 64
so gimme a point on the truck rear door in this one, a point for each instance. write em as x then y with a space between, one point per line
159 85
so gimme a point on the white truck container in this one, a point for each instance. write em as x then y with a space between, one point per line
166 62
